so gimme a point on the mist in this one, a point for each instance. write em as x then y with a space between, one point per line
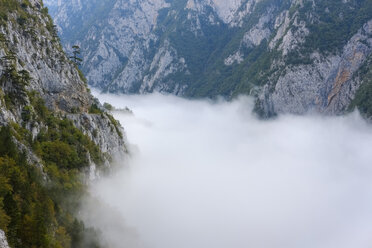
206 174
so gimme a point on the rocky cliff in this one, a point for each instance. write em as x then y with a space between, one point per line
32 47
328 84
53 133
292 55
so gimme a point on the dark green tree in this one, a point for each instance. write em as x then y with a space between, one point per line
25 77
9 60
76 53
3 38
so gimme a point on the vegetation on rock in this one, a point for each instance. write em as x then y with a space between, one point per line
44 156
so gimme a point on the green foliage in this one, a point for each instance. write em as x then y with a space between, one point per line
5 188
94 109
38 201
11 6
29 214
26 114
7 146
26 19
81 75
38 105
45 11
21 20
21 133
108 106
28 211
65 146
363 97
6 7
35 212
205 53
62 143
199 50
19 80
116 124
75 57
61 153
337 21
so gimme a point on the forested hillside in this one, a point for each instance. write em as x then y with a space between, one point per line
54 136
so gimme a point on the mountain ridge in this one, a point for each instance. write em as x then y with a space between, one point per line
209 48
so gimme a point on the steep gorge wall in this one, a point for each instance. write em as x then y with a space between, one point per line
54 133
294 56
53 76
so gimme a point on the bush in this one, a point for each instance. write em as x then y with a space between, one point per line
94 109
363 97
108 106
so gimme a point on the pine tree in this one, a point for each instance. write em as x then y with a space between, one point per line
76 52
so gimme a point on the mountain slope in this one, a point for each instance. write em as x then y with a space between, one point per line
292 55
53 134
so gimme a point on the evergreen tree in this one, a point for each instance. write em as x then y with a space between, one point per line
76 52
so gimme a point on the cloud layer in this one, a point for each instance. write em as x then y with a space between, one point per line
209 174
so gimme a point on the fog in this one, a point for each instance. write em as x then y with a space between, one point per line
206 174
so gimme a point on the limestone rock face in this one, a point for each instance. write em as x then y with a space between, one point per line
44 100
293 56
327 85
36 50
3 241
126 50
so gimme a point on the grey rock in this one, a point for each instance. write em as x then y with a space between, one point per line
142 46
103 132
3 241
259 32
327 85
122 57
55 78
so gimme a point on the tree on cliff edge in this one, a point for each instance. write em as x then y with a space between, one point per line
76 52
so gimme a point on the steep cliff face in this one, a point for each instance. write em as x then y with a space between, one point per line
121 62
53 134
33 47
293 55
328 84
133 45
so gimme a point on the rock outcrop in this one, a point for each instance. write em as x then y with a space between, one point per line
326 85
34 47
294 56
55 136
3 241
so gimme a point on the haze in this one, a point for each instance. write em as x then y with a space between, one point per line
211 175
